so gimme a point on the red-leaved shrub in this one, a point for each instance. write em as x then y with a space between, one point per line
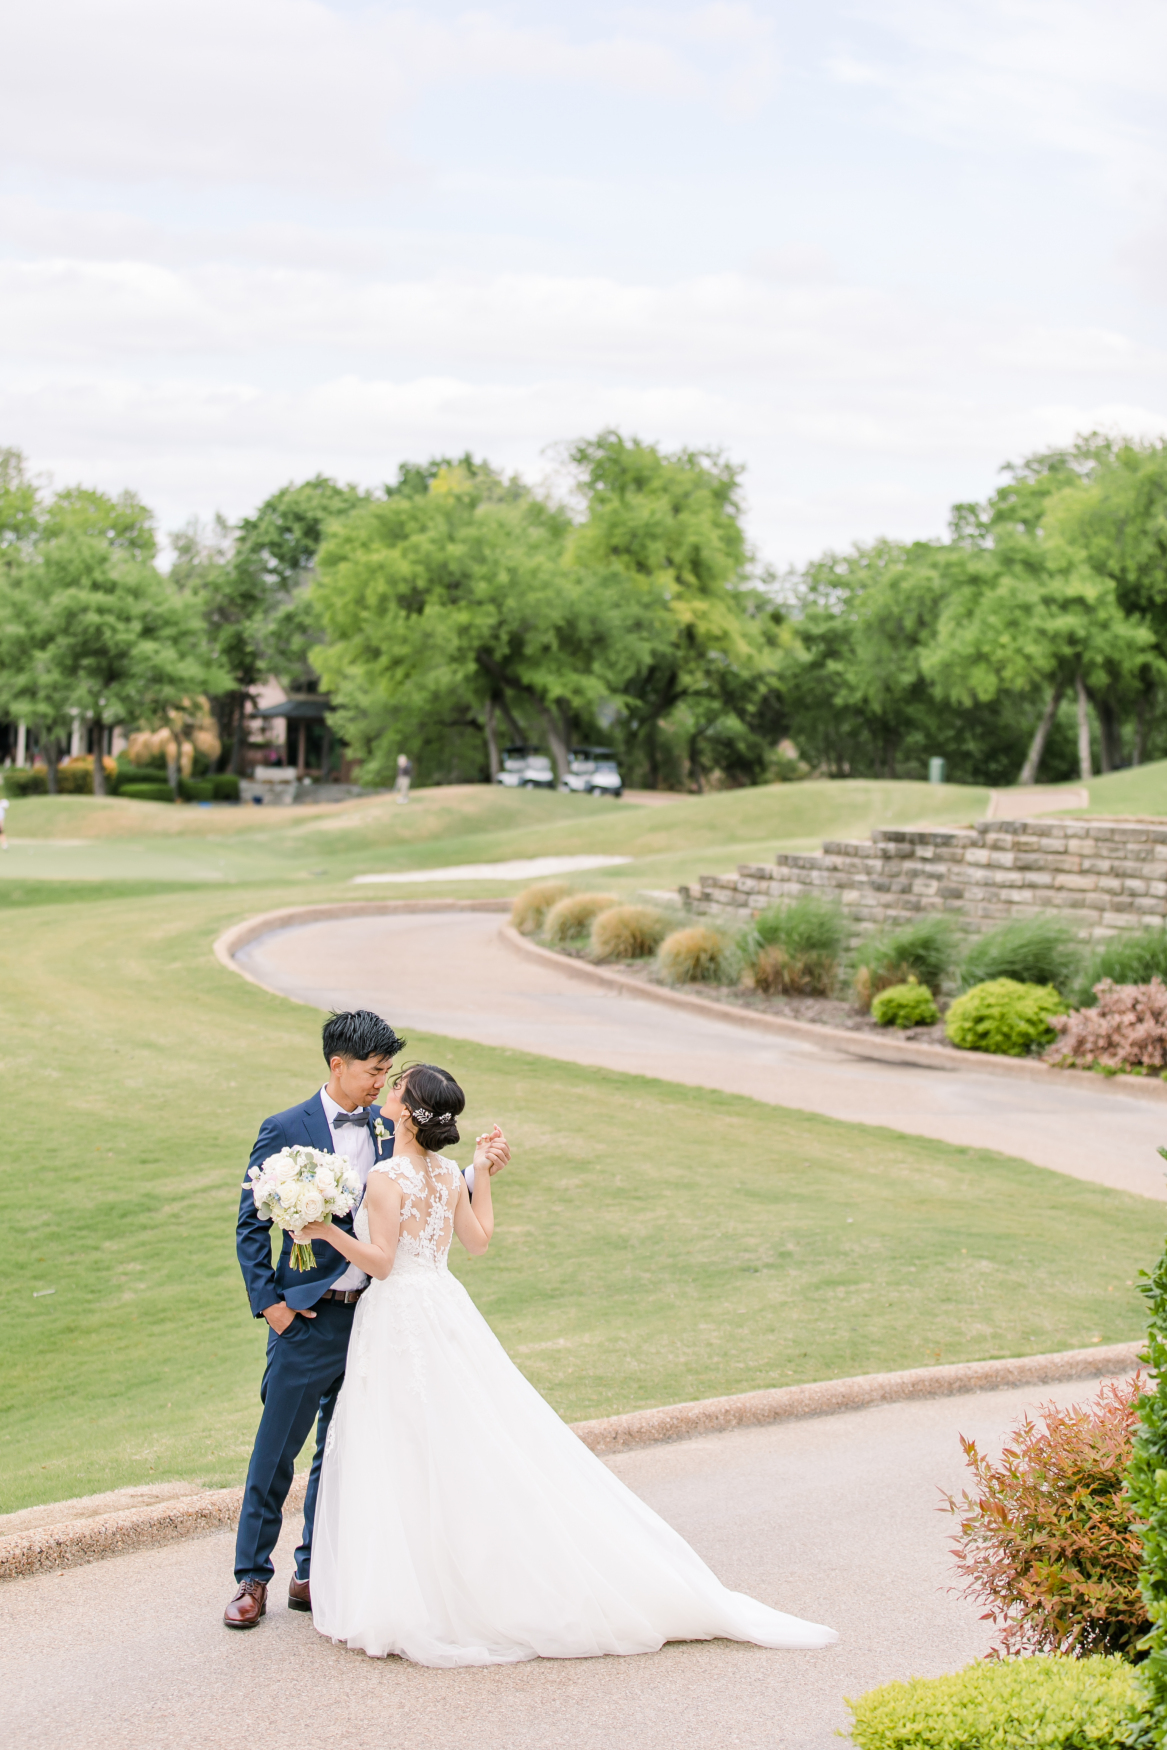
1048 1539
1127 1029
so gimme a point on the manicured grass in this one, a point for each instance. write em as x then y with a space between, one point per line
68 837
656 1242
1138 790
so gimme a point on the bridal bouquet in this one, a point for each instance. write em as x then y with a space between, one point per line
300 1185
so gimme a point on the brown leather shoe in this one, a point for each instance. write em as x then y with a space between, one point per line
247 1606
299 1594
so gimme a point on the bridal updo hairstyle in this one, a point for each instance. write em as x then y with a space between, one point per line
433 1100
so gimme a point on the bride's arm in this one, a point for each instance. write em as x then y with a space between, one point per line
474 1222
383 1202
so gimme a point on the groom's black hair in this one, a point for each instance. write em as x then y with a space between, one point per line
359 1034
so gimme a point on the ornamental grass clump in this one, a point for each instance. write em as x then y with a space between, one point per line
1135 957
1003 1017
1041 950
1015 1704
531 906
1049 1540
905 1005
629 932
1126 1030
795 949
926 949
570 919
697 954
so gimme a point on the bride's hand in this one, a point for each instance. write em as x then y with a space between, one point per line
492 1151
312 1230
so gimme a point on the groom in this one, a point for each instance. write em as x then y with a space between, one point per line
310 1313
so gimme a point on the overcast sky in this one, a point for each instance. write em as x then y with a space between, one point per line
870 250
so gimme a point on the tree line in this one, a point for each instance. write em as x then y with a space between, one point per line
457 610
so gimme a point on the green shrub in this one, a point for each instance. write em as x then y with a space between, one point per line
1047 1703
196 789
75 775
1004 1017
572 917
1134 958
25 781
905 1005
226 787
147 792
533 903
1042 950
1148 1496
628 932
926 949
1049 1539
695 955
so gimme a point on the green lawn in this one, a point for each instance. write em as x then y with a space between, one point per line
656 1242
70 838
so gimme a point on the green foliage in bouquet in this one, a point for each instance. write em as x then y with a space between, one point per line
905 1005
1041 950
533 903
1147 1486
629 932
1004 1017
1047 1703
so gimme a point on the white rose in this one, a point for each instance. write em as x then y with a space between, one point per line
312 1204
282 1169
325 1181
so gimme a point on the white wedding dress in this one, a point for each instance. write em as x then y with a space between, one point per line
459 1521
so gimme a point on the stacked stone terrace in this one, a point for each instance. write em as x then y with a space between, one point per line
1106 875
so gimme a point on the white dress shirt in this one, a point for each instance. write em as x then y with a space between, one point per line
357 1143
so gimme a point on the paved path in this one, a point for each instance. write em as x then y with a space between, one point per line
449 972
832 1518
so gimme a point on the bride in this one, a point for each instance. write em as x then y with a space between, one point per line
460 1522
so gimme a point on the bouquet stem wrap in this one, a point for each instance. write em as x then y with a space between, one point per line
299 1185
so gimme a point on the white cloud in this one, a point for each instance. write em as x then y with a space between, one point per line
295 94
1067 75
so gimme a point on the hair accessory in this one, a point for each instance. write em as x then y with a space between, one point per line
421 1114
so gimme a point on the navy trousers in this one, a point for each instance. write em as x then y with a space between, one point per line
303 1375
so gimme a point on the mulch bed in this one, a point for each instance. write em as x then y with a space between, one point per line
819 1011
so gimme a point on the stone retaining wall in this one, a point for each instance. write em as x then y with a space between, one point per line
1106 875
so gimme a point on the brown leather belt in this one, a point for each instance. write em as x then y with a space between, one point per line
348 1297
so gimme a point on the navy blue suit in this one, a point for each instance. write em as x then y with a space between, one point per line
305 1365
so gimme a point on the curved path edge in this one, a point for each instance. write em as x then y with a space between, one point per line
228 944
839 1038
77 1541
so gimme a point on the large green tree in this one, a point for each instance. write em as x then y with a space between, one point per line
670 526
93 628
449 609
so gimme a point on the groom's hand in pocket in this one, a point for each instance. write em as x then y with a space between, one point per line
280 1316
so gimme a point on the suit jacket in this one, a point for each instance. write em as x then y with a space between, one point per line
303 1124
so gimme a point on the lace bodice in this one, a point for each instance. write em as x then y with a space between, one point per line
429 1191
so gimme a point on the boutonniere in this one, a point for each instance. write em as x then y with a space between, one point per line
380 1132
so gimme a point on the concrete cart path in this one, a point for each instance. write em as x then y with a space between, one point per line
449 972
833 1518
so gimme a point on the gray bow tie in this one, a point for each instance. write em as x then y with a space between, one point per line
360 1117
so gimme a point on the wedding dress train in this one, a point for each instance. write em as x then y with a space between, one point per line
459 1521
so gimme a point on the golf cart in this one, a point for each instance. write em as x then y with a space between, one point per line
524 769
592 771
